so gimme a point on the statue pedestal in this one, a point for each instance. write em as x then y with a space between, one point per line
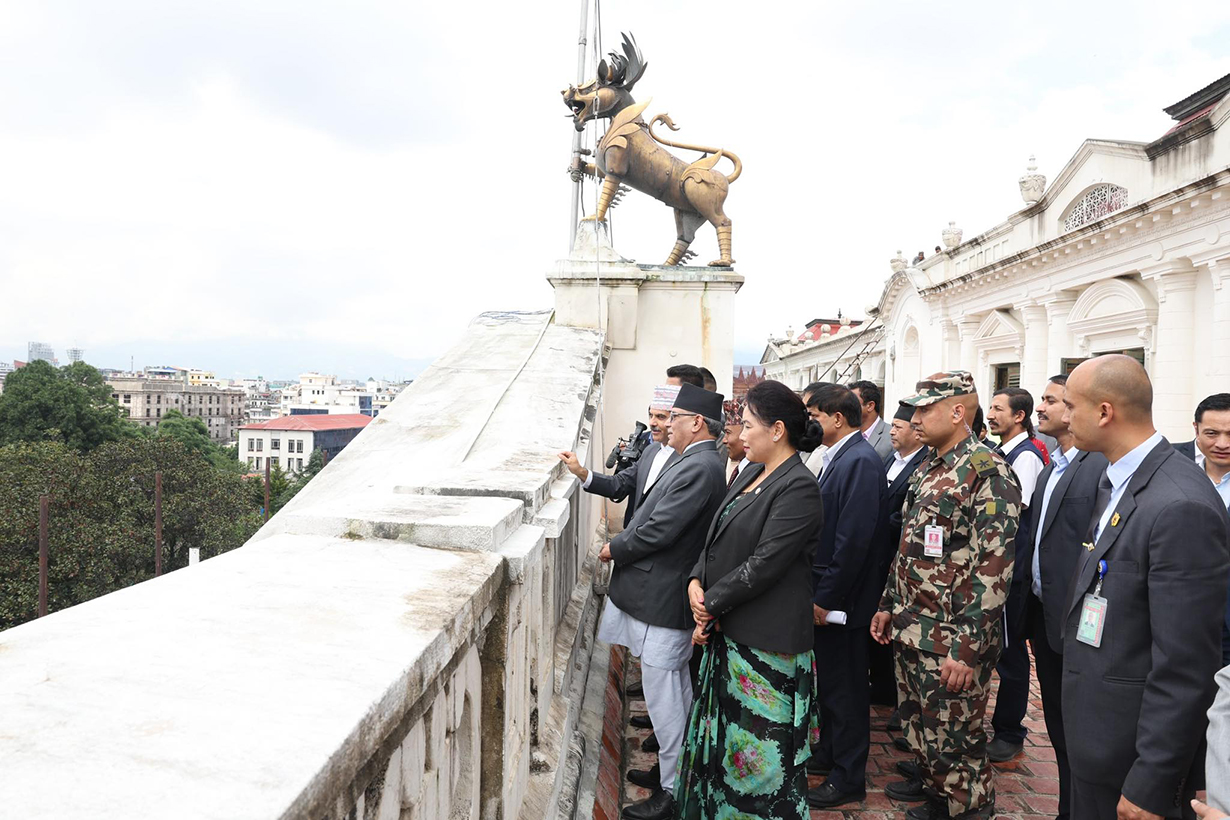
654 317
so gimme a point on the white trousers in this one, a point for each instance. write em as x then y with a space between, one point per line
668 695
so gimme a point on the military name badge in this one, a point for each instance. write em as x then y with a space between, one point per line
984 463
1093 613
933 541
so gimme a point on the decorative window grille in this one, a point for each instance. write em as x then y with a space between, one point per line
1100 202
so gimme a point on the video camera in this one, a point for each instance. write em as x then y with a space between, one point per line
627 450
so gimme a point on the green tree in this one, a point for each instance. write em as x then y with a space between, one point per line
280 485
194 435
72 405
102 517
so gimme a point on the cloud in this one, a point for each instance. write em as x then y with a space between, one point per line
218 177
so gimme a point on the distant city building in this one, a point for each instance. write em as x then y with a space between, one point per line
203 377
147 400
288 442
322 394
745 378
166 372
75 354
41 352
5 369
260 402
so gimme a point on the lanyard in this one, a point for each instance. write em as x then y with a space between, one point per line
1097 591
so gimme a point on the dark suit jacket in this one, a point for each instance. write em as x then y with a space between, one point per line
1188 448
879 439
629 483
894 501
846 564
1065 527
654 554
756 562
1134 708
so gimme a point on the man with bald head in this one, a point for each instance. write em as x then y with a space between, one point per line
1142 631
943 601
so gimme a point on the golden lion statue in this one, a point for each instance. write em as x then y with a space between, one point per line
630 152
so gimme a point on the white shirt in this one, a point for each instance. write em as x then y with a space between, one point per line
1027 466
832 452
872 426
740 468
899 462
1119 473
1222 487
659 461
815 459
1062 460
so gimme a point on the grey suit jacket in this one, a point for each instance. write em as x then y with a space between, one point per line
1065 527
657 550
878 438
756 566
1134 708
629 483
1217 758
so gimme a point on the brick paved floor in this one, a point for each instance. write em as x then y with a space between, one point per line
1025 787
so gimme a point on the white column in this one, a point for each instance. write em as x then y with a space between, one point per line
1059 344
969 354
949 344
1174 351
1219 352
1034 357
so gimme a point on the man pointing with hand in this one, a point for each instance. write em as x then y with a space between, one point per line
944 598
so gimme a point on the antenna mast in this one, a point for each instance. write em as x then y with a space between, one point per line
576 137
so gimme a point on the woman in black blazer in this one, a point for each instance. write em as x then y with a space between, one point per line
747 744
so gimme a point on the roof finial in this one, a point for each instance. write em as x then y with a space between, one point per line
1033 183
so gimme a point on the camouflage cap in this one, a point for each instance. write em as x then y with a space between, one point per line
941 386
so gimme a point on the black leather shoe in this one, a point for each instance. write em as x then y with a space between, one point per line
907 791
636 691
931 810
901 743
826 795
910 769
658 806
894 721
817 766
1001 751
650 744
647 778
641 722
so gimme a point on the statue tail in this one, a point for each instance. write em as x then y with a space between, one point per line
704 163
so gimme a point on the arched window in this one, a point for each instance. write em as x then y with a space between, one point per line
1096 203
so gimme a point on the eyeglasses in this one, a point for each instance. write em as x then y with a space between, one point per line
679 415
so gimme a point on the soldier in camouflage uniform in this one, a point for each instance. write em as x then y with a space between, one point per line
943 601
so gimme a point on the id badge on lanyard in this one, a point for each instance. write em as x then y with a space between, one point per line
933 541
1093 613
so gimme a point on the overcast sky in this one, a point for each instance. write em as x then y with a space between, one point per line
267 187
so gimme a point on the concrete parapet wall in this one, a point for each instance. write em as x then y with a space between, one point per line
404 640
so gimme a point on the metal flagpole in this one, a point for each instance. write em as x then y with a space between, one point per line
576 137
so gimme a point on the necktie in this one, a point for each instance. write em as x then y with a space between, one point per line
733 476
999 449
1103 499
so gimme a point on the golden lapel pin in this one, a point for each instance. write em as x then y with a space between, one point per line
1088 545
1114 520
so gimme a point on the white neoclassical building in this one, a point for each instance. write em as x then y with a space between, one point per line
1127 250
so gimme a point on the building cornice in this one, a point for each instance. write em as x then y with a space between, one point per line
1130 220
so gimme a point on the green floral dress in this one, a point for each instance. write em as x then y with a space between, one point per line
749 734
